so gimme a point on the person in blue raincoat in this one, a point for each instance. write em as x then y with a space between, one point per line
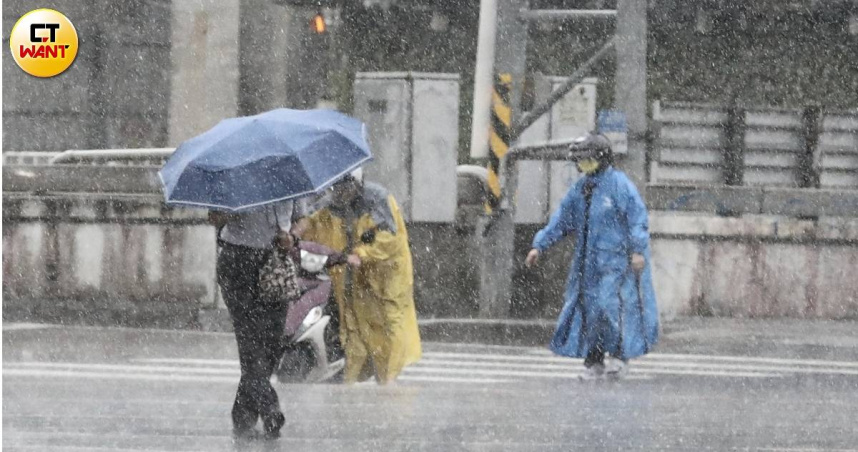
610 312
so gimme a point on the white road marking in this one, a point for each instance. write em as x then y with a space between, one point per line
173 373
802 362
191 361
450 367
549 357
450 379
800 449
26 326
122 368
41 447
644 366
501 373
115 376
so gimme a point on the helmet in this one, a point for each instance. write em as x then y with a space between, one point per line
594 145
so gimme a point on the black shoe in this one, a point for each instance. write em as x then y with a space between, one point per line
272 425
245 433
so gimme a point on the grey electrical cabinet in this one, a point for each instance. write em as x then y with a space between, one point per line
413 124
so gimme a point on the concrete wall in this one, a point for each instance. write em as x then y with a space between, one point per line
756 267
132 256
127 261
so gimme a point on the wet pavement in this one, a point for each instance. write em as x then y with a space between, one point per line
711 385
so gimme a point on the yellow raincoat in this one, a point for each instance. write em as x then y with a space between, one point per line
378 322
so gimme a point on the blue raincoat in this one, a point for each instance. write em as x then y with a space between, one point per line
606 302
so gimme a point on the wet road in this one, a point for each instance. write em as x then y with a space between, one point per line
81 389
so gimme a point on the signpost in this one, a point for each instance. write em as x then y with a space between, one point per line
613 125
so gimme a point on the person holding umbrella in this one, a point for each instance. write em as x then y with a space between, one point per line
609 315
375 293
246 240
248 171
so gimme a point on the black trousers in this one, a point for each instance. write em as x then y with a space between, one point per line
258 332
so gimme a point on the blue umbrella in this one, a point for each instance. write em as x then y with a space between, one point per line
251 161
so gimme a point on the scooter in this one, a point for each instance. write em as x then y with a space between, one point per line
312 351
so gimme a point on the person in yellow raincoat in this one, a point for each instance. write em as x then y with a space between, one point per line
375 291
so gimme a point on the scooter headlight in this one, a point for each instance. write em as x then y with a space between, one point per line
313 263
312 317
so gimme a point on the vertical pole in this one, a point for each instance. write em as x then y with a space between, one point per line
496 235
808 173
630 84
734 152
483 79
342 83
499 137
203 94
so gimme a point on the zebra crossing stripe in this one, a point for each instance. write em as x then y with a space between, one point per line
546 356
805 362
191 361
453 367
647 366
450 379
502 373
122 368
59 373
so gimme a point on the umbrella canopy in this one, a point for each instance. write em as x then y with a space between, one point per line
251 161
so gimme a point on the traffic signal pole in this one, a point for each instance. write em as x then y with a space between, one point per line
498 86
630 85
483 78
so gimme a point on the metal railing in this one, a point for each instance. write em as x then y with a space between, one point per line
754 146
97 173
113 157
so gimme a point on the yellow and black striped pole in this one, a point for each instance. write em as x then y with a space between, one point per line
499 137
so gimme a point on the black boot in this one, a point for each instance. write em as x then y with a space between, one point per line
271 426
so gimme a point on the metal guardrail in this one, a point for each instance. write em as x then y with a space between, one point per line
105 180
28 157
145 156
94 174
718 199
754 146
727 200
567 14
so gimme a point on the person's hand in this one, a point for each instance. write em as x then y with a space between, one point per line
532 258
300 226
285 240
638 262
353 260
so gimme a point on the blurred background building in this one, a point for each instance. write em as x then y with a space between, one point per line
151 73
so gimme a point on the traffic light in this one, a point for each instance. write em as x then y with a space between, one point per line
318 25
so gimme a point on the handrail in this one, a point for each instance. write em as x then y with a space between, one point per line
92 155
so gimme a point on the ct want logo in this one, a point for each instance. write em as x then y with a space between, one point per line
44 42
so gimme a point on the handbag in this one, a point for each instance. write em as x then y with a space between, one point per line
278 277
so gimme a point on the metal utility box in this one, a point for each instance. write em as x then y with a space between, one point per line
413 123
542 185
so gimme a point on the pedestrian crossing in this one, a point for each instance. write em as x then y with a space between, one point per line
446 365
